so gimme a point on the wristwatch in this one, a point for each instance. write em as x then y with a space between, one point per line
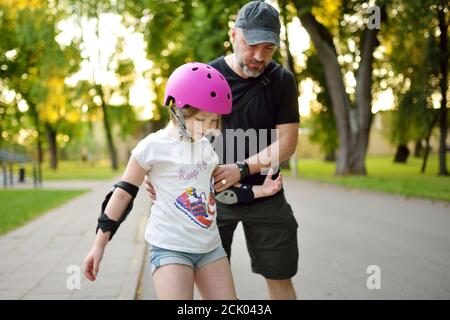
244 169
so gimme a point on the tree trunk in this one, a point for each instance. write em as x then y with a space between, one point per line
52 146
4 174
425 156
363 98
40 153
443 85
326 51
418 149
427 143
289 58
330 157
290 65
2 119
402 154
353 124
109 138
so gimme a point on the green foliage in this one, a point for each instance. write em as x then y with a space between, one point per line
30 60
414 57
386 176
33 63
21 206
406 61
324 130
181 31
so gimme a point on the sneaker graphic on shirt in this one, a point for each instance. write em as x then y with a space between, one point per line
197 207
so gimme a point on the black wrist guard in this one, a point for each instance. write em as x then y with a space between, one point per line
107 224
243 194
244 169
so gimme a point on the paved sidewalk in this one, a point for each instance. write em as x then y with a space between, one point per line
37 258
342 232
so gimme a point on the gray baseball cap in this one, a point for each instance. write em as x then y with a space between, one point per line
259 22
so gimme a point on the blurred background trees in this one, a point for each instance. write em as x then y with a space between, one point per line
82 80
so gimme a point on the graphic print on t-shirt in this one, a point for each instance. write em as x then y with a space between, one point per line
199 208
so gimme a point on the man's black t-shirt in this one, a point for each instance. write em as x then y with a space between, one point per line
276 103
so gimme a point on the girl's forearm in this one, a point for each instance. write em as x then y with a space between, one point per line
102 239
120 199
114 210
258 191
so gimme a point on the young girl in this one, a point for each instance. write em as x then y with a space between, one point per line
184 241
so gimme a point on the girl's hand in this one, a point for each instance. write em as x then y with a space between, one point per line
269 187
150 189
92 263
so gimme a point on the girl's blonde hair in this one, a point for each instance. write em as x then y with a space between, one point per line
189 112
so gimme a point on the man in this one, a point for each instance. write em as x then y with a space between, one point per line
269 224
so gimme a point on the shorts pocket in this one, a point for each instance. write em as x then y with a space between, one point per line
285 212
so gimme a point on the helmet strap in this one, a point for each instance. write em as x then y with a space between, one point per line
179 118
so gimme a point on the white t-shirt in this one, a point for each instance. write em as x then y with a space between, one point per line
183 216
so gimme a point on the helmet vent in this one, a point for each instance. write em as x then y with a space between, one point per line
209 76
213 94
195 69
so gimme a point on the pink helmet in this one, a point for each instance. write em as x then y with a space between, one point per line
200 86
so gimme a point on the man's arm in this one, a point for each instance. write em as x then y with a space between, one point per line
279 151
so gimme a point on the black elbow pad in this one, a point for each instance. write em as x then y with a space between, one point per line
107 224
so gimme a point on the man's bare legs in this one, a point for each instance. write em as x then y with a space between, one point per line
281 289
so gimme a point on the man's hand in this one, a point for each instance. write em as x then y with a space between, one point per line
229 172
150 189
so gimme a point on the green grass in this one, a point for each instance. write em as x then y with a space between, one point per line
386 176
20 206
74 170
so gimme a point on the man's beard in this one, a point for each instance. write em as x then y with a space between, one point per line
251 72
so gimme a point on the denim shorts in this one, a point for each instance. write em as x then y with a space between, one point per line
160 257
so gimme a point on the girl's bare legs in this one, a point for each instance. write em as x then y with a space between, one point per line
215 282
174 282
